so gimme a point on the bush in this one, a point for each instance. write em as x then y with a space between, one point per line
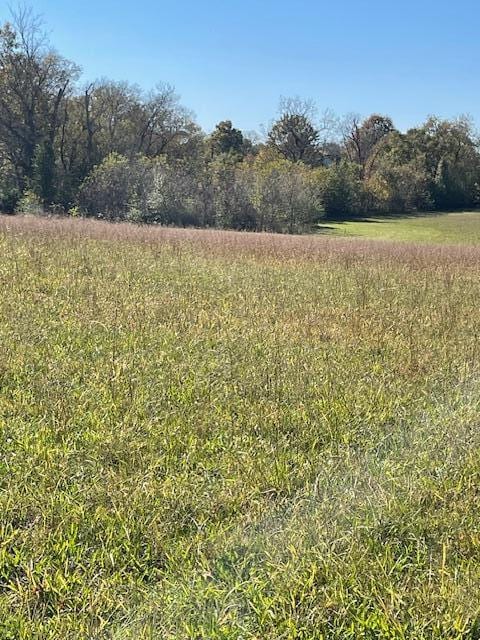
29 203
9 194
117 188
344 191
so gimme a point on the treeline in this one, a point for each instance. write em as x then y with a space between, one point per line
109 150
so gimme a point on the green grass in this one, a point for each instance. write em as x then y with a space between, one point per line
210 435
446 228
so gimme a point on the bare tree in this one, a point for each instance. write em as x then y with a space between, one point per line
34 83
361 138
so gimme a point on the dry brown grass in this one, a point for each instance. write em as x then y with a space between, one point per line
263 246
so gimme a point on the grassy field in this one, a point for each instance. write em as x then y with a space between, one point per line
215 435
445 228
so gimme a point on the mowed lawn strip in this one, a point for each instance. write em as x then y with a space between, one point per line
442 228
221 435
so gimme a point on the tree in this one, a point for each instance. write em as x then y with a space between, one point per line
362 139
180 194
281 193
165 127
43 178
226 139
117 188
116 117
294 135
344 191
434 166
452 161
34 84
9 192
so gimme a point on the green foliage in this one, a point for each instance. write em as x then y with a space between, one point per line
226 139
30 203
452 161
116 188
263 195
179 194
362 140
117 152
400 187
295 138
343 192
34 82
43 179
436 166
282 194
8 200
9 194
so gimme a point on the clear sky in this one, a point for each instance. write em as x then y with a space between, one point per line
232 59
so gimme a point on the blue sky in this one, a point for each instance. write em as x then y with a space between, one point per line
233 59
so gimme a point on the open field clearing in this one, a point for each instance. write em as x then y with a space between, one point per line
216 435
445 228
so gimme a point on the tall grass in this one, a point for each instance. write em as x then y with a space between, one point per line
236 436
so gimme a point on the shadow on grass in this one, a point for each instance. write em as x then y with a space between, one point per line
389 217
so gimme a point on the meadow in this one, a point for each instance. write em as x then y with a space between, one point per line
221 435
437 228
